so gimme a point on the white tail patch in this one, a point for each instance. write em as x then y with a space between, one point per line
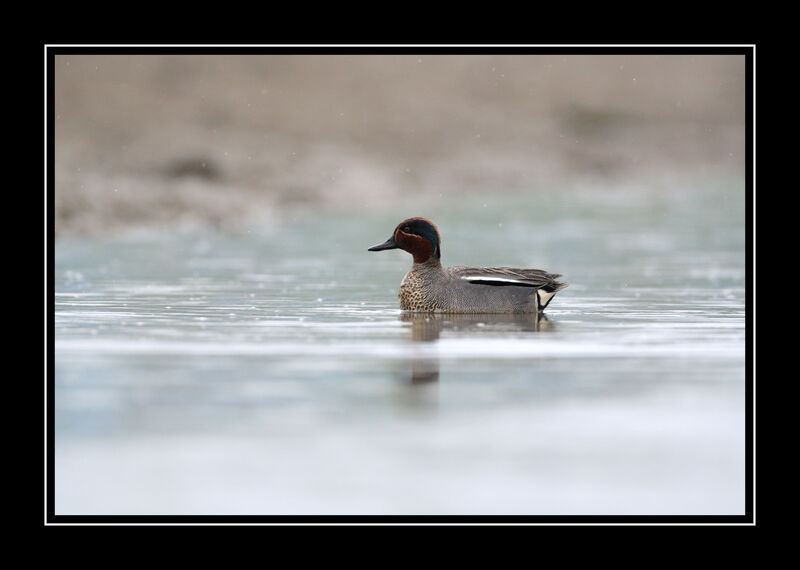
544 297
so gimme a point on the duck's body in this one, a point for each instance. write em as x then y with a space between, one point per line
429 287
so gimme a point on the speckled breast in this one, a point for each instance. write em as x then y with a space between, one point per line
412 294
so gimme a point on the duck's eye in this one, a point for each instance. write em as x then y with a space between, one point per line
406 229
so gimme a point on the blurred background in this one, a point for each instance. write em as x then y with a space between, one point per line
225 344
181 141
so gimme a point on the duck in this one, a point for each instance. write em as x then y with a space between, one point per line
429 287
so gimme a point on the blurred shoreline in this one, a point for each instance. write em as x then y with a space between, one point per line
172 141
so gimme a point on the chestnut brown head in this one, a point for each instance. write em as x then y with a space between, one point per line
417 236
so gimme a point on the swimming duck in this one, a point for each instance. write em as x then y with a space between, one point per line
428 287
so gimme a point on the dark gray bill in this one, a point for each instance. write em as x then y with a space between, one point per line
388 244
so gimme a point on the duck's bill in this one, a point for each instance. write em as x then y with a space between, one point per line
388 244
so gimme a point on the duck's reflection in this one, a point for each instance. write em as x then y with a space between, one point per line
428 327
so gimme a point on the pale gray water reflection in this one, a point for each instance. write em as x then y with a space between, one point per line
428 327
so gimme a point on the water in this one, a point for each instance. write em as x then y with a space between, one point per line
271 371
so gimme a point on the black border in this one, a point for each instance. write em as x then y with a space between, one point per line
48 471
426 49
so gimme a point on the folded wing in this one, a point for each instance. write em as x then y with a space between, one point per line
505 276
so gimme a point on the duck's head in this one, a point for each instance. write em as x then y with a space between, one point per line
417 236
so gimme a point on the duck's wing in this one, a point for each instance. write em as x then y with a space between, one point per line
536 278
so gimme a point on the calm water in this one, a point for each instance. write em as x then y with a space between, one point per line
271 372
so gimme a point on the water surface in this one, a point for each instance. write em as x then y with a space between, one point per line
271 371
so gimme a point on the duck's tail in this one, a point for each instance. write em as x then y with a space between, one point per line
545 293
